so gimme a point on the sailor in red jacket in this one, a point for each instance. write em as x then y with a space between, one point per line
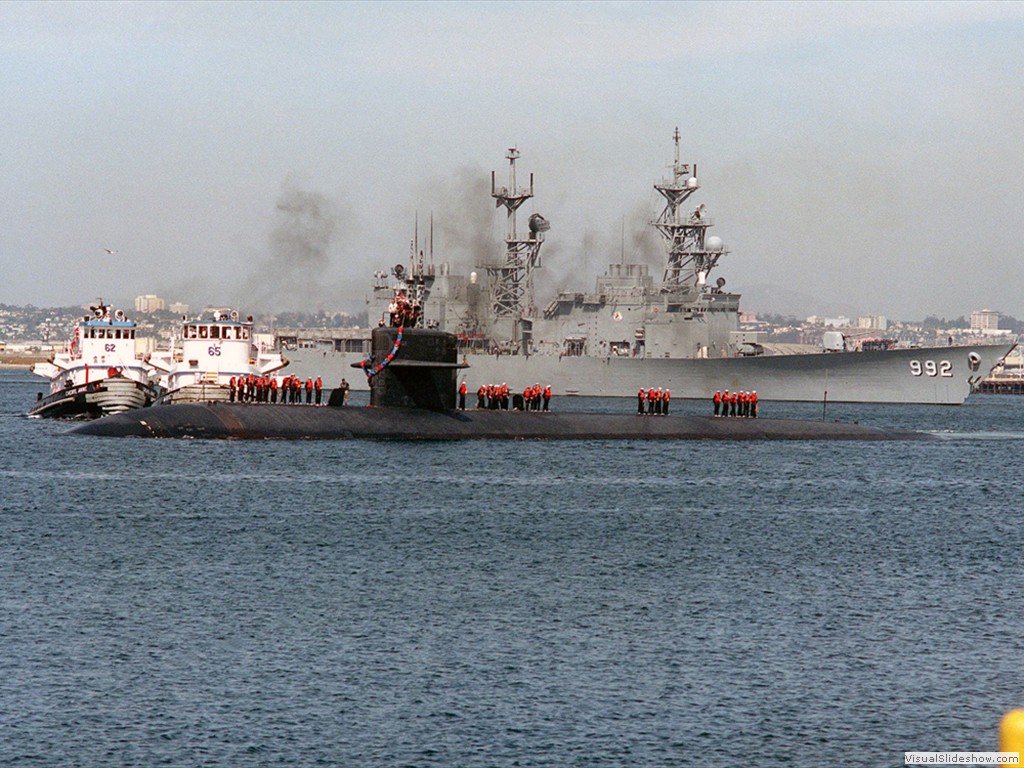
717 400
640 402
462 396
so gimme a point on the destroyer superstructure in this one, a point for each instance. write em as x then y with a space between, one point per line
630 315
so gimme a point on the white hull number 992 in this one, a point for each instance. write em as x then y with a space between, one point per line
931 368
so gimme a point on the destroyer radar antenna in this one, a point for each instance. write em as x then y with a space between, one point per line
690 257
511 279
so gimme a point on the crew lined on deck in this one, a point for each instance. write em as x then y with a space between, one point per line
251 388
653 401
498 397
741 404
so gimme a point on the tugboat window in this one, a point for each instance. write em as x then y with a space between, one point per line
203 331
215 332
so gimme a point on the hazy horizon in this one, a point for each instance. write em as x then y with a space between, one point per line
274 155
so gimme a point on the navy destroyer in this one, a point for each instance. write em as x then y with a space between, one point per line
680 331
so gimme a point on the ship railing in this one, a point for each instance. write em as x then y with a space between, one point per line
724 301
682 219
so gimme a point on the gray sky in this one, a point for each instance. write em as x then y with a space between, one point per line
275 155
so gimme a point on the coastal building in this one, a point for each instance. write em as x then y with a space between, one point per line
149 303
872 322
829 322
984 320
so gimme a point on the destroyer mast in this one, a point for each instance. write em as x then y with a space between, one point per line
511 280
691 254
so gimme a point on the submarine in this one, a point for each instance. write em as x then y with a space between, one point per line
413 374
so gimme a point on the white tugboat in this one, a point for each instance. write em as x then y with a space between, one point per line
98 372
211 351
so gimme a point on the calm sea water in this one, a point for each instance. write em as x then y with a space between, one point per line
510 604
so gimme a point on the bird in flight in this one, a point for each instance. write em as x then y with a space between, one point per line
110 251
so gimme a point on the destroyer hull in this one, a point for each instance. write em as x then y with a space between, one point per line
927 375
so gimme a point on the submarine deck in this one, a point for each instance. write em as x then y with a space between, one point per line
282 422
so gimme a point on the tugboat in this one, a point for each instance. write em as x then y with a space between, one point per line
98 372
211 351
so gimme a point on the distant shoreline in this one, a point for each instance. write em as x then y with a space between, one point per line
16 362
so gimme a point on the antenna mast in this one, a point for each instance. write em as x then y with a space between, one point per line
689 259
512 279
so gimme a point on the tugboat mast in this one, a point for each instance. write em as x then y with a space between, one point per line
691 255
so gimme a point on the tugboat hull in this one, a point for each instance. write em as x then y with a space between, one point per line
95 398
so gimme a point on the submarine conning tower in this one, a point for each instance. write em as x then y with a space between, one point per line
413 368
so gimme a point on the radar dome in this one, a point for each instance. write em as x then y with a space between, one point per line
714 244
691 183
539 224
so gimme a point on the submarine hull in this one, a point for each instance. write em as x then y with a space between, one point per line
412 384
285 422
